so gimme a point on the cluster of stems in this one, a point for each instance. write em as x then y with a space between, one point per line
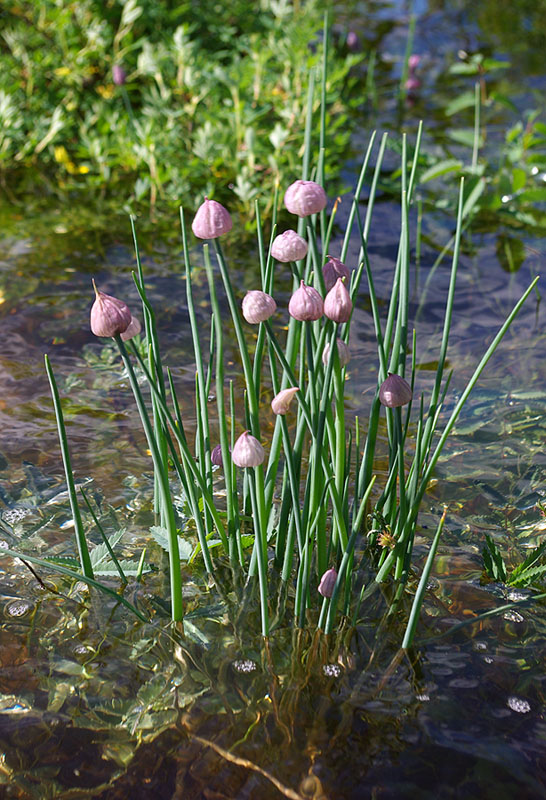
303 504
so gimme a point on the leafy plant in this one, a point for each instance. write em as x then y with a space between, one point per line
212 96
506 178
524 574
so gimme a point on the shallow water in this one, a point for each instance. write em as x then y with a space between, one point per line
96 704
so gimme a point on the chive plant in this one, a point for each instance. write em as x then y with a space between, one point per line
301 496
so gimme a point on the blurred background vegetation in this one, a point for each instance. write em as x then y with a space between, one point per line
214 97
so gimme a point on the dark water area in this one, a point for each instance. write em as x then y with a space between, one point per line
94 703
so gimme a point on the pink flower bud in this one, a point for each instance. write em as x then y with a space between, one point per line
289 246
394 391
281 402
304 198
258 306
413 62
247 451
327 583
338 305
334 269
132 330
216 456
211 220
119 76
306 304
412 83
342 350
109 316
353 42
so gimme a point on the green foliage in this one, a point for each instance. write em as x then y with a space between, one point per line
525 574
509 175
215 96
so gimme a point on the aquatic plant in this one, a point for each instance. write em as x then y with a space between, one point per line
301 503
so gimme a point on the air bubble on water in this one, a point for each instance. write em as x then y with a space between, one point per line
331 670
519 705
244 665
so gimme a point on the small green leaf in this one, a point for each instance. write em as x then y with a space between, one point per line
503 100
473 196
528 576
533 195
63 561
185 548
441 168
464 136
464 68
160 536
519 179
464 100
130 568
100 552
493 63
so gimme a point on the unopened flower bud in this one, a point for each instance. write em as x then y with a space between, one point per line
211 220
109 316
332 270
394 391
289 246
258 306
343 352
247 451
304 198
353 42
412 83
306 304
216 456
119 76
338 305
413 62
281 402
133 329
327 583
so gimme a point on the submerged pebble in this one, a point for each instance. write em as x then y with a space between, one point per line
331 670
513 616
18 608
519 705
244 665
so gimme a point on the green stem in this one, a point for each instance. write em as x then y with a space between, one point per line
177 610
83 550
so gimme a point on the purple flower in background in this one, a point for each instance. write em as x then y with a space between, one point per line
353 42
119 75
